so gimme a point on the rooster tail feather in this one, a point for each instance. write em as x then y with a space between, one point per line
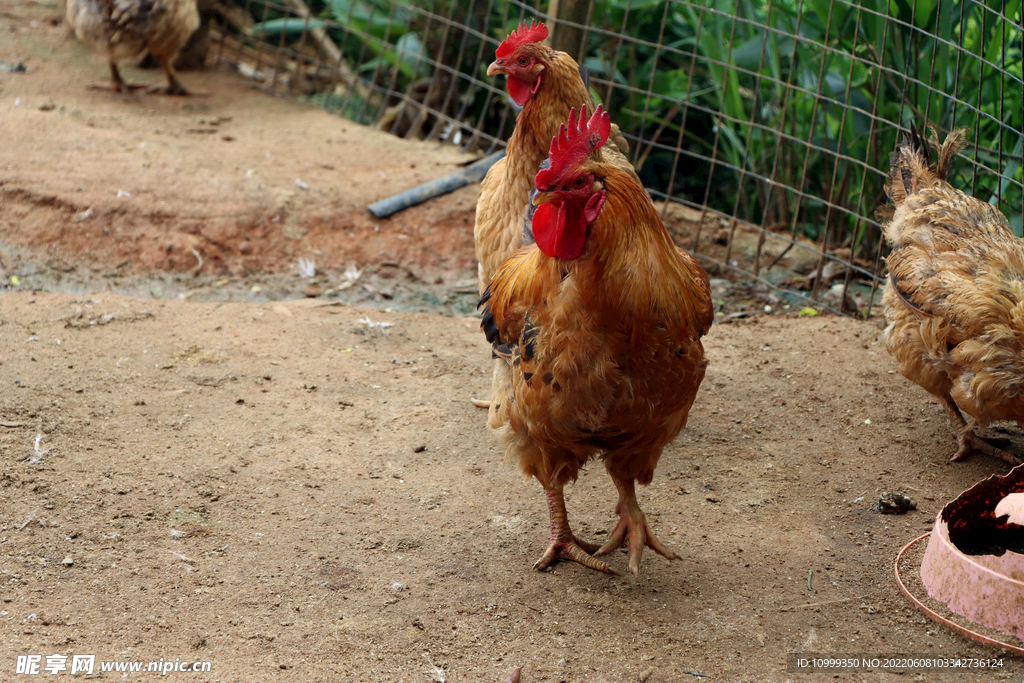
487 322
912 170
955 141
916 141
910 167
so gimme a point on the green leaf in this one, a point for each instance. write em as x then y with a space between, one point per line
923 13
806 312
671 85
410 49
748 55
1009 173
407 54
1017 223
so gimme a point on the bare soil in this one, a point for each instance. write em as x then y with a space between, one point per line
290 491
215 194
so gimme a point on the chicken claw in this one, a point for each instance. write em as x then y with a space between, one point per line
564 544
174 86
633 527
968 440
117 83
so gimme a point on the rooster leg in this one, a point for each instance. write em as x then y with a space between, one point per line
633 527
564 545
968 440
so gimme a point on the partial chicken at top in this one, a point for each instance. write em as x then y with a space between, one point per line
124 29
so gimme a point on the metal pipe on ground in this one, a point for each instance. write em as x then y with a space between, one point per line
473 173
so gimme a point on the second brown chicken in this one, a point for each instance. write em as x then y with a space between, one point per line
954 301
124 29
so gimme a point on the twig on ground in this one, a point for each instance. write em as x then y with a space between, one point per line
820 604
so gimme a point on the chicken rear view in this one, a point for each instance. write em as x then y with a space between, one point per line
599 324
954 301
124 29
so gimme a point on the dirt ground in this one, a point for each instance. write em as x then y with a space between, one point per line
215 194
291 491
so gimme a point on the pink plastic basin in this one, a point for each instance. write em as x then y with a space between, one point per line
985 588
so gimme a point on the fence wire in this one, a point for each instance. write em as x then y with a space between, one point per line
762 127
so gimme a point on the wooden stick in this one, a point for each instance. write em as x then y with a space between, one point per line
324 43
235 15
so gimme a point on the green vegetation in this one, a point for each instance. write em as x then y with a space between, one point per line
772 76
798 102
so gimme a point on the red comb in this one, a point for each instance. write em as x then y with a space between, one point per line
534 33
574 142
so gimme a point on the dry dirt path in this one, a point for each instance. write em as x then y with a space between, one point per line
247 484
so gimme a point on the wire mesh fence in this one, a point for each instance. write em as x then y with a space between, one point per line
762 127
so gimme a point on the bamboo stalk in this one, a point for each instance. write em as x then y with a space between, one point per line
565 36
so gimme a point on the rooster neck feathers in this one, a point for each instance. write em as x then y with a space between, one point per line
630 256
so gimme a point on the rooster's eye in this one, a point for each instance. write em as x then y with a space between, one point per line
579 182
523 61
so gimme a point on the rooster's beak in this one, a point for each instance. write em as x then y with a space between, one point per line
543 198
497 67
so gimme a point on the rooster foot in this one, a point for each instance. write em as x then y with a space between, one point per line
174 86
174 90
117 83
564 544
632 528
969 441
574 550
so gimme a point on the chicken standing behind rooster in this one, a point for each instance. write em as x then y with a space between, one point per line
123 29
954 301
599 324
546 83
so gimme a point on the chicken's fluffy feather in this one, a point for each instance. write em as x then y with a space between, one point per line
954 301
124 29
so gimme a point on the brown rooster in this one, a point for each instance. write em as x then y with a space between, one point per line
123 29
599 324
954 301
546 83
